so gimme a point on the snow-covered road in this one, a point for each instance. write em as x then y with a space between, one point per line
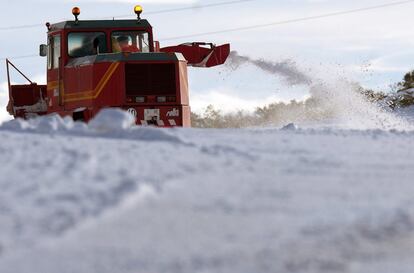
85 199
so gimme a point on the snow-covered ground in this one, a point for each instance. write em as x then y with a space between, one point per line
109 198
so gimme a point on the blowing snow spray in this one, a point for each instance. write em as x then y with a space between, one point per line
333 101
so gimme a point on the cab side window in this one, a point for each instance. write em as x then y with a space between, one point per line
54 52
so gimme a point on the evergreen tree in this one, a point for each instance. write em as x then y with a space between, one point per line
408 81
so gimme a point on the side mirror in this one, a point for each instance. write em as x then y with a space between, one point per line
43 50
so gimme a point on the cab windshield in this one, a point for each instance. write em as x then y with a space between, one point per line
82 44
130 41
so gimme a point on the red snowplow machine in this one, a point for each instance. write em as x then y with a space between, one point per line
113 63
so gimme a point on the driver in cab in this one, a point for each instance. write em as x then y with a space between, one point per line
124 46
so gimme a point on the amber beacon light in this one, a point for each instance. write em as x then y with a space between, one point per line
138 10
76 13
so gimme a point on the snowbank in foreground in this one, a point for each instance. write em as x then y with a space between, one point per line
114 198
109 123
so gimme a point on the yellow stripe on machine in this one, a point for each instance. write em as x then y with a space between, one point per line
93 94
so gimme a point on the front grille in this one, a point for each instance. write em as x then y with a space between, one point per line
150 79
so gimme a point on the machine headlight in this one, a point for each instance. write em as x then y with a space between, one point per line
140 99
162 99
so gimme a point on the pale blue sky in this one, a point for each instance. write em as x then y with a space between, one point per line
374 47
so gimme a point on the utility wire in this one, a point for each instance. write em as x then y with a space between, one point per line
194 7
302 19
191 7
21 27
20 57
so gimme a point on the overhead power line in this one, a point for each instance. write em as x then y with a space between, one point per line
20 57
290 21
21 27
193 7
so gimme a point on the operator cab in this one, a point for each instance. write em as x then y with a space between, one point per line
75 39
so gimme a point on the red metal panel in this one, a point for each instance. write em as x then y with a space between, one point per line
113 92
27 94
86 84
186 116
183 83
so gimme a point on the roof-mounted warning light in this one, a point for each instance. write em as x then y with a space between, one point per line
76 13
138 10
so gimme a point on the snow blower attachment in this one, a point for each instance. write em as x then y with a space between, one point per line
96 64
25 100
201 54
